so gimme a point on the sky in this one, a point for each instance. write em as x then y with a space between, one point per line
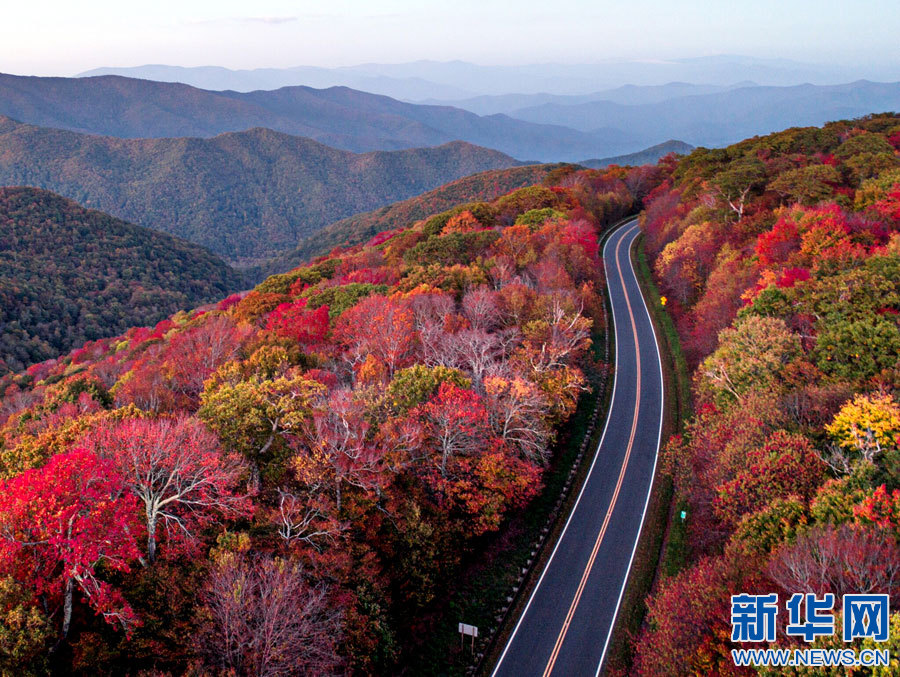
65 38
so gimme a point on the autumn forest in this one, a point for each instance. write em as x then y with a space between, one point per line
201 476
291 467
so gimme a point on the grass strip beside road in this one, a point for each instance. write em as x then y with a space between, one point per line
662 546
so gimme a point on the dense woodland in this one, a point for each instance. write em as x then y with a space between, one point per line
288 482
246 196
359 228
780 260
70 275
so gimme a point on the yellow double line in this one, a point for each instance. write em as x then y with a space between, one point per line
612 504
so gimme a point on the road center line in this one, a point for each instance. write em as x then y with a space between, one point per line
590 563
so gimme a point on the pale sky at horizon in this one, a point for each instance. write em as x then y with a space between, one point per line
65 38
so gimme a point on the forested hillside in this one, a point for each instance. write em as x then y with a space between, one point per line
290 481
485 186
246 196
780 261
70 275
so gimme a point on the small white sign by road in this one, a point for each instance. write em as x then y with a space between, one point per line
466 629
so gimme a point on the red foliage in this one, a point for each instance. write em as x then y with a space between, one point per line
229 302
663 207
176 469
39 371
381 238
298 287
488 485
881 508
584 235
171 375
786 465
326 378
894 140
292 320
889 206
90 351
138 335
456 424
380 326
60 523
689 630
381 275
792 276
774 246
161 329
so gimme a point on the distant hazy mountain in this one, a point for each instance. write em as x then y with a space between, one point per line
725 117
648 156
339 117
244 195
217 78
626 94
453 80
70 274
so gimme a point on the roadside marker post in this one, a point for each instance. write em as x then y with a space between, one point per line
466 629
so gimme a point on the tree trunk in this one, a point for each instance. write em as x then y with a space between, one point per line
151 538
67 607
338 494
254 480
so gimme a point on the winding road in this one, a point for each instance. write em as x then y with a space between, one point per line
566 625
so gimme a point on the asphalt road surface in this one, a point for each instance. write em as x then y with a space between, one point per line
566 625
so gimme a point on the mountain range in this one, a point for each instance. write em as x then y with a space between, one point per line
627 95
544 128
725 117
338 116
244 195
453 80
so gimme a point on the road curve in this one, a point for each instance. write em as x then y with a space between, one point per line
566 625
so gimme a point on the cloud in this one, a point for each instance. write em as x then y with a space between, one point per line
268 20
264 20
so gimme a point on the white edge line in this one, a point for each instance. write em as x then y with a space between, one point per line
662 410
587 478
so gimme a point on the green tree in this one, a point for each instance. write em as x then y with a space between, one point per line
807 185
417 384
735 184
256 416
750 356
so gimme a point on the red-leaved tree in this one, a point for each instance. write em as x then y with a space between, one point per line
293 320
456 423
338 449
176 468
379 326
65 523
